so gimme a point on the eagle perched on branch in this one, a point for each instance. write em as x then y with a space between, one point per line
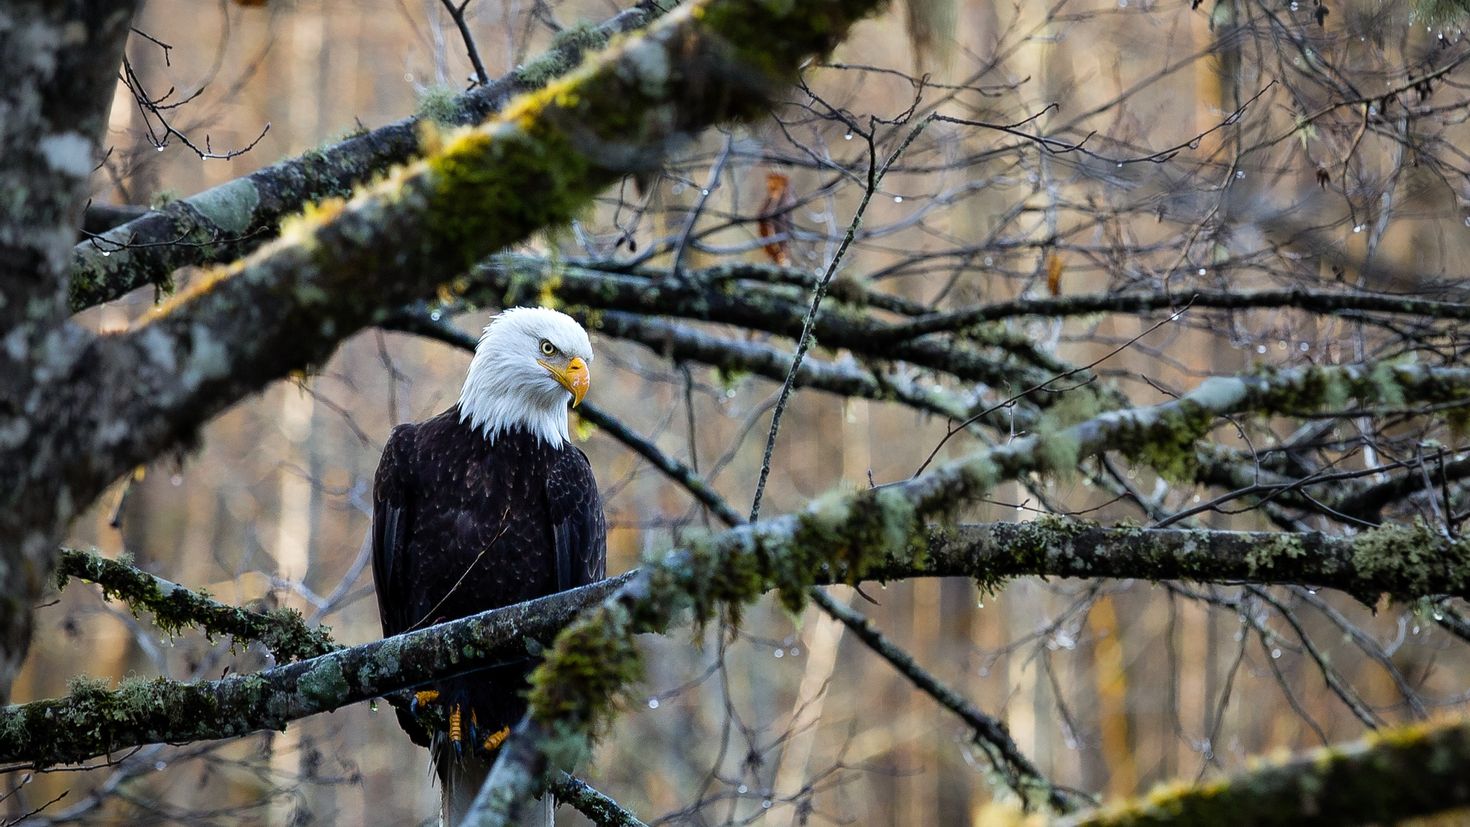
486 505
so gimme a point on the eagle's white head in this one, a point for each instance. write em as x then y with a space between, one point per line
531 361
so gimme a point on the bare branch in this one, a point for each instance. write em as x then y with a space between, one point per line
1021 775
457 14
1317 301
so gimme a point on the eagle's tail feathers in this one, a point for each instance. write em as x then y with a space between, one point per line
461 778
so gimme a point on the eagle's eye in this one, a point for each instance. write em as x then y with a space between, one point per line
548 348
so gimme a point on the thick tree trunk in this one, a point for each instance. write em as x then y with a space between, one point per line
56 86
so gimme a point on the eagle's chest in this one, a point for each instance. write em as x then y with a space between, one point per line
484 536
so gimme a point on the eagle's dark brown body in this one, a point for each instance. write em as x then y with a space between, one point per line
461 525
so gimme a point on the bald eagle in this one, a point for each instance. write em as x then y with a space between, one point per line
486 505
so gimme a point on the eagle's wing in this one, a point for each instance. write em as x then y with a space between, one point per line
393 513
392 524
577 522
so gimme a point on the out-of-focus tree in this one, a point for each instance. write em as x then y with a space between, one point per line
1184 311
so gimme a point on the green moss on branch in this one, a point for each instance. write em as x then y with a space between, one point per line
1385 778
94 720
715 572
177 609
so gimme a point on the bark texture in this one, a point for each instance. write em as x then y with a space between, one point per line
56 82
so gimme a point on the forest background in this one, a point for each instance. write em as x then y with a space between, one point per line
1186 151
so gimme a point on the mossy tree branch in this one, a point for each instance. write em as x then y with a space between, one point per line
235 218
1388 777
175 608
592 803
575 691
96 721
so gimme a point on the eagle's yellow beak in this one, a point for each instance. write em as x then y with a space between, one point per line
574 378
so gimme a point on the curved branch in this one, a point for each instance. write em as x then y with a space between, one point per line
509 280
592 803
682 343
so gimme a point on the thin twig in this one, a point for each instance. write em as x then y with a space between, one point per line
456 13
804 342
1020 774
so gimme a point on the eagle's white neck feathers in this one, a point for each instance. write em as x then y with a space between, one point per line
508 388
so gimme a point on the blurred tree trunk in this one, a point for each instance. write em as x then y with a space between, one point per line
56 82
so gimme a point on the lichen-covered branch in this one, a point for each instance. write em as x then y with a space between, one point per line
593 804
1405 562
235 218
94 720
175 608
575 691
1388 777
151 711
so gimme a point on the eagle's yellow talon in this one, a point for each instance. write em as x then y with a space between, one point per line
456 731
426 696
495 739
